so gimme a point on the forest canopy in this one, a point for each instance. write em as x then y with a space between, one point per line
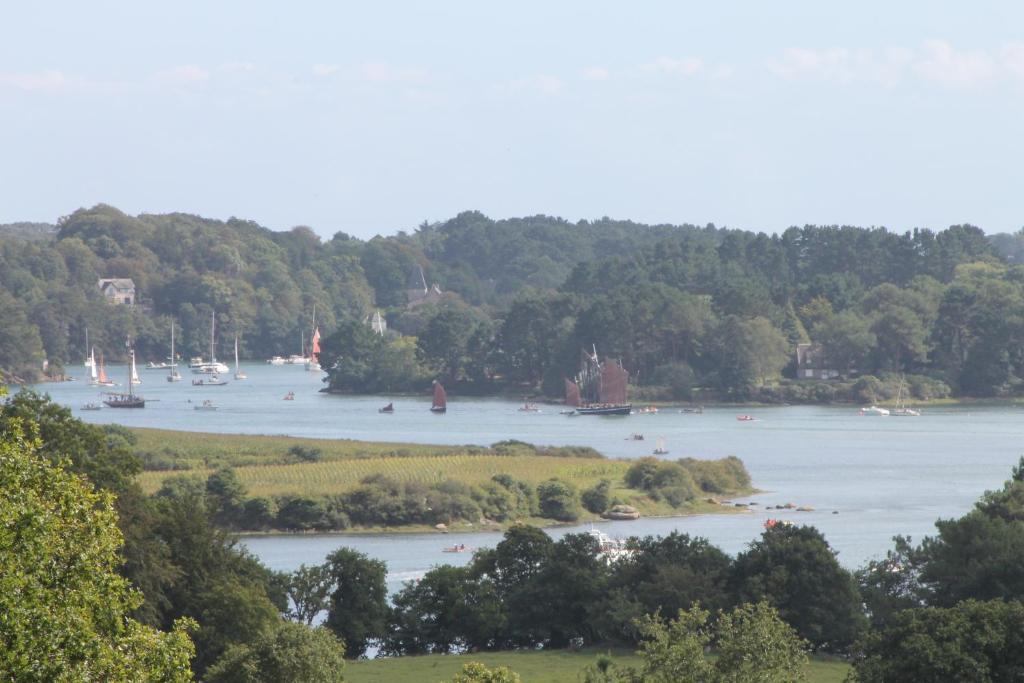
507 305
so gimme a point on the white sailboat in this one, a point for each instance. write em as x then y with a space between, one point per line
212 367
173 375
238 373
90 363
901 409
90 360
660 449
134 377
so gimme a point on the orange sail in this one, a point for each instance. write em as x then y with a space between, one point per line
103 373
614 380
314 351
440 403
572 394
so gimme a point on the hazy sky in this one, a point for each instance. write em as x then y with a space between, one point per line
372 117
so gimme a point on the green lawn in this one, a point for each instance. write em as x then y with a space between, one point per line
557 666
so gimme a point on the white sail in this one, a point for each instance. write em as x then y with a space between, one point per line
172 374
90 360
91 364
238 373
135 373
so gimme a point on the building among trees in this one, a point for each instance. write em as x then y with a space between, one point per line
118 290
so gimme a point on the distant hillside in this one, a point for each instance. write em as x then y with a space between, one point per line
28 230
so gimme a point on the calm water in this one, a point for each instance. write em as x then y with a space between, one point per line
884 476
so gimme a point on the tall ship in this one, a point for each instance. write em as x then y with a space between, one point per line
600 388
131 399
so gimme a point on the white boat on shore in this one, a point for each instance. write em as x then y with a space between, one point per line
874 411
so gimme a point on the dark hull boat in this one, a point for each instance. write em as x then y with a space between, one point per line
131 399
599 389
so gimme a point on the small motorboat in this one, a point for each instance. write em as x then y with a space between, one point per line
212 381
206 405
276 360
158 366
290 396
698 410
92 406
636 437
528 407
647 410
457 548
389 408
745 418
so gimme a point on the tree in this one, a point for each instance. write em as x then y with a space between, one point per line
972 641
309 590
847 341
65 610
558 500
358 607
752 645
794 570
288 652
597 498
475 672
444 342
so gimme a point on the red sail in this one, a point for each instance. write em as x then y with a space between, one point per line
572 394
440 398
315 348
614 379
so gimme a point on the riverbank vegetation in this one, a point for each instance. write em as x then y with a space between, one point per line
698 313
280 483
946 608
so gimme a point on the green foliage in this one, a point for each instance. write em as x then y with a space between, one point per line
794 570
309 590
597 498
65 610
357 610
752 643
972 641
475 672
288 652
558 500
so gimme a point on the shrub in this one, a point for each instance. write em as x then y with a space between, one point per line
304 454
597 498
301 514
558 500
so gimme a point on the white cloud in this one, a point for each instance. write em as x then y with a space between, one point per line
237 67
545 84
325 69
383 72
948 66
595 73
1013 59
50 79
686 66
188 74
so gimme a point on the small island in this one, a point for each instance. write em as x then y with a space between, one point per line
288 484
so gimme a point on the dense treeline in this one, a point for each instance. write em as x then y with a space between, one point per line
690 311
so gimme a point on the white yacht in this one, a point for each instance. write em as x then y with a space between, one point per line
212 367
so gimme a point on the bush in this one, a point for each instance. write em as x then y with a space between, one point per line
870 389
597 498
558 500
257 514
304 454
301 514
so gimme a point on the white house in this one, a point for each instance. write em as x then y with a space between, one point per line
118 290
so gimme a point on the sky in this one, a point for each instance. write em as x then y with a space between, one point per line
370 118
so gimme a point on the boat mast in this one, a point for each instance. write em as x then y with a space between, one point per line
170 372
236 354
213 328
131 370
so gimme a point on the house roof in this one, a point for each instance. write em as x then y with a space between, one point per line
117 282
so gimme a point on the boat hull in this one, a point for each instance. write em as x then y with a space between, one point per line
439 409
613 409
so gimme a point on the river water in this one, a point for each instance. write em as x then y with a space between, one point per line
883 476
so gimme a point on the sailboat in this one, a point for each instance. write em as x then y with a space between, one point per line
440 403
173 375
90 363
212 367
600 388
901 409
313 362
238 373
129 400
90 360
133 373
101 378
301 357
660 448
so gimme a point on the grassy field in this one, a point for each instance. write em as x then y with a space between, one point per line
267 465
558 666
